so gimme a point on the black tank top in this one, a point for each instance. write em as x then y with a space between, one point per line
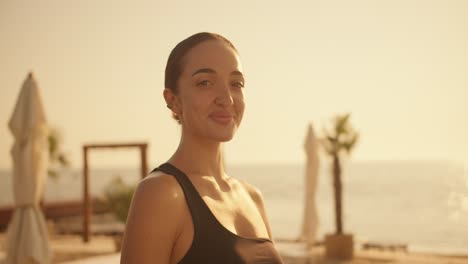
212 242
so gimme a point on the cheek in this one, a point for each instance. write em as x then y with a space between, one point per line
194 103
240 107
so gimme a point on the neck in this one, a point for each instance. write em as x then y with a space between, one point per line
199 157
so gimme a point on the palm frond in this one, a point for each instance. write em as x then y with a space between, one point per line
341 125
344 137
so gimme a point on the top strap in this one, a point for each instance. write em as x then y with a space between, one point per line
192 197
204 221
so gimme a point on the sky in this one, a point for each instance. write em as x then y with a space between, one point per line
400 68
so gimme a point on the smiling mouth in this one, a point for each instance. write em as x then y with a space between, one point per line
222 119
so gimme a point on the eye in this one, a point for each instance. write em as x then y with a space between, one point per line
204 83
238 84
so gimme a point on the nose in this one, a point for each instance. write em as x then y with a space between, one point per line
224 96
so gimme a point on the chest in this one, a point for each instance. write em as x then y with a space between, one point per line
238 213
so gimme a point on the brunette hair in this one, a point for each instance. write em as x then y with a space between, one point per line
174 64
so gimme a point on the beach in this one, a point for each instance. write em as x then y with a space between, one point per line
372 221
421 205
346 116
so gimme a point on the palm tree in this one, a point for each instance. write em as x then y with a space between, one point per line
341 139
57 158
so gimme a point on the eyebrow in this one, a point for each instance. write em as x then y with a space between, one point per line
208 70
237 73
203 70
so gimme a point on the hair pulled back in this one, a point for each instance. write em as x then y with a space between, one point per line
174 66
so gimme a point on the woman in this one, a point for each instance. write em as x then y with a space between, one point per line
189 210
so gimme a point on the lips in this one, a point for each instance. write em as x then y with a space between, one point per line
222 118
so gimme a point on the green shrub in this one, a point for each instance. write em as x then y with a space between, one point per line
119 197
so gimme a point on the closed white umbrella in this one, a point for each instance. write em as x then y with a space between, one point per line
27 237
310 220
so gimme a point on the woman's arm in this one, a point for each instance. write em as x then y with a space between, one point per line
153 222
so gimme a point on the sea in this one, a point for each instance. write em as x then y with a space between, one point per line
421 204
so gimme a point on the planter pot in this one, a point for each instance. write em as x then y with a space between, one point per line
339 246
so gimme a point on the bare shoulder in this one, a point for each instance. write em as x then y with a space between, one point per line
154 220
157 189
157 193
160 185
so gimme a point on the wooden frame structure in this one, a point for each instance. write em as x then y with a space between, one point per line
87 205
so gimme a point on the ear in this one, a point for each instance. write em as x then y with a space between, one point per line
172 101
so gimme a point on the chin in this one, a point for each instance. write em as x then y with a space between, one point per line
223 134
223 137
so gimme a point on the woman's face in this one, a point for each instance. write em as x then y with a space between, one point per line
210 98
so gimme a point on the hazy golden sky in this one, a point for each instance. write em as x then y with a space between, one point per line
400 67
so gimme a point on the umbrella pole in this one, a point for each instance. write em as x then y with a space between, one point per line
86 205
